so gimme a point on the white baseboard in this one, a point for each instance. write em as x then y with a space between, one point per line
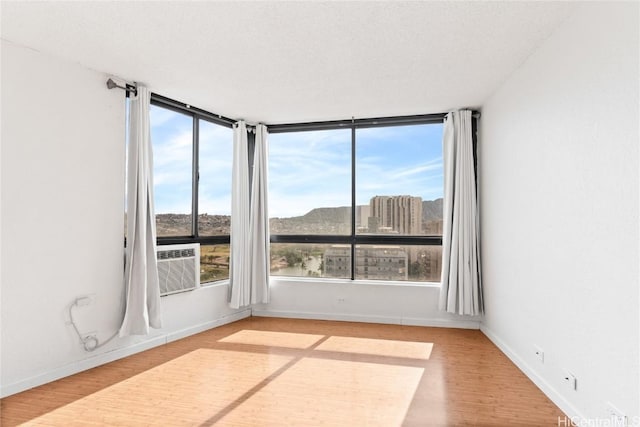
556 397
326 316
173 336
115 354
443 323
440 323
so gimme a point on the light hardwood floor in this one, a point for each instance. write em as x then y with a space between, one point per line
277 372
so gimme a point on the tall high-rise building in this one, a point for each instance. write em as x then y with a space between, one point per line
402 214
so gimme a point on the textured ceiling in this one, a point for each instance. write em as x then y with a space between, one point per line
278 62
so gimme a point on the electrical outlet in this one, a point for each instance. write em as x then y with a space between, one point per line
539 353
617 417
570 380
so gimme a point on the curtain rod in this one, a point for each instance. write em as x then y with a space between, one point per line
330 124
127 88
189 109
251 127
363 123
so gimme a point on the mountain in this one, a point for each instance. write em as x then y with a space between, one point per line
432 209
180 224
340 214
338 220
317 221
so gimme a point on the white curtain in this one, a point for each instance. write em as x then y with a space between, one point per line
250 261
461 290
259 220
142 306
240 263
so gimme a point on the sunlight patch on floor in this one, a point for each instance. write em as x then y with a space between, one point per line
378 347
187 390
322 392
222 387
273 339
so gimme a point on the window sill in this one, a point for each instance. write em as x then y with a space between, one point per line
395 283
223 282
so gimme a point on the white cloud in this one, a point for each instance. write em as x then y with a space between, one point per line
435 165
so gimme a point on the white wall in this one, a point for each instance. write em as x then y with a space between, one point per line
360 301
62 224
559 190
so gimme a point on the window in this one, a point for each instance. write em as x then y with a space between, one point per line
399 181
172 139
359 200
214 189
310 194
192 161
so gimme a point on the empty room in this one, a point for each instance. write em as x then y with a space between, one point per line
320 213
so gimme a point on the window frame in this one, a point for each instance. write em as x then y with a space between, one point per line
196 115
355 239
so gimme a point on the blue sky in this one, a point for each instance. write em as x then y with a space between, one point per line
306 169
171 135
313 169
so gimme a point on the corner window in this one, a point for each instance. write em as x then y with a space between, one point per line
358 199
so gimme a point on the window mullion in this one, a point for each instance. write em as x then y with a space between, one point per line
353 200
195 177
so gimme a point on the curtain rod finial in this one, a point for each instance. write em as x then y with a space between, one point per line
111 84
128 88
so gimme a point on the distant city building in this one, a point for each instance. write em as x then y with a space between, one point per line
337 261
433 227
362 218
372 262
433 265
401 214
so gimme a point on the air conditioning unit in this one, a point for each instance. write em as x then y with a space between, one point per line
178 268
